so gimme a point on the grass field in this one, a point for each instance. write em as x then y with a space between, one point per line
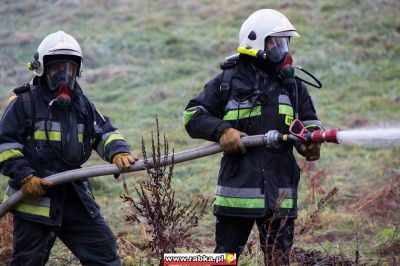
143 58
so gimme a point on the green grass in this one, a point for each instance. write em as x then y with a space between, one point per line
143 58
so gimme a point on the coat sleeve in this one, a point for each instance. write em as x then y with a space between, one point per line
13 162
307 112
108 140
202 117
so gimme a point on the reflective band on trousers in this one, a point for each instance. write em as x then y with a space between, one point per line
36 206
243 113
239 202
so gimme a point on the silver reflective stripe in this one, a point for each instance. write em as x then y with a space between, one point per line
239 192
287 192
51 126
41 201
283 98
80 128
312 122
9 146
100 146
234 105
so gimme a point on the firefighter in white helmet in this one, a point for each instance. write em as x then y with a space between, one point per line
251 96
51 127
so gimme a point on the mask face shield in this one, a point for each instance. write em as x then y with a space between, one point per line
61 72
276 48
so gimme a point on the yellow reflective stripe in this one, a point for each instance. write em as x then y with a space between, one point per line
41 135
111 138
8 154
285 110
31 209
80 137
288 111
249 51
242 113
239 202
287 203
187 115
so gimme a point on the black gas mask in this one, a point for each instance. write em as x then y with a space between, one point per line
60 77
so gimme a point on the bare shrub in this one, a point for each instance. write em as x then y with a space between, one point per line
165 223
6 237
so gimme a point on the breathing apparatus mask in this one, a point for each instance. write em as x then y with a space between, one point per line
60 77
276 59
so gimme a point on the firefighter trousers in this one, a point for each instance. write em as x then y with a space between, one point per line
89 239
276 236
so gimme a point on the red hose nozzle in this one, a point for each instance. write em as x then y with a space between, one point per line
331 135
321 136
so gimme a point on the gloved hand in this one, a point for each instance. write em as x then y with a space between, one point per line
230 141
124 160
311 151
31 186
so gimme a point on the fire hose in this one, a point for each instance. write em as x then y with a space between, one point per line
298 133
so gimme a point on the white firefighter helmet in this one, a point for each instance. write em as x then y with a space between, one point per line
58 43
261 24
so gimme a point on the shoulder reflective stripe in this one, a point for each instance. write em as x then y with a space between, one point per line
283 98
31 209
41 135
11 145
187 115
285 109
239 202
287 203
234 105
243 113
239 192
53 126
112 137
8 154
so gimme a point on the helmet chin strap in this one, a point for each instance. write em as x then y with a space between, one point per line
62 97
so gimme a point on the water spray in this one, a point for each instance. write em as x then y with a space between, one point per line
300 134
